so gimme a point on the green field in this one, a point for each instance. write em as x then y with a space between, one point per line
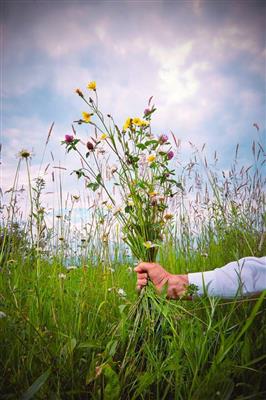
84 333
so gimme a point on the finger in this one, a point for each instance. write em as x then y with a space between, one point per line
142 267
142 282
142 275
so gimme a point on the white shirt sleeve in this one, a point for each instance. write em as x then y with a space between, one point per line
244 277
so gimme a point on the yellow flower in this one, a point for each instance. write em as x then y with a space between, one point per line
149 244
127 124
168 217
79 92
91 85
86 116
152 194
151 158
109 206
130 203
105 237
136 121
144 123
103 136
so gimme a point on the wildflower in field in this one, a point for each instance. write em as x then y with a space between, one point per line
149 244
170 155
62 276
103 136
130 203
153 194
79 92
144 123
127 124
163 139
105 238
147 111
24 153
204 254
69 138
168 217
92 86
71 267
121 292
2 315
111 270
109 206
90 146
136 121
151 158
86 116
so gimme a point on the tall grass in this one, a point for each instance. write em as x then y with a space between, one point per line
73 333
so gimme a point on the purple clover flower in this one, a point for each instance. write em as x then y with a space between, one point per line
69 138
163 139
147 111
170 155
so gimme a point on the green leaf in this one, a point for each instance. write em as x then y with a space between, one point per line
99 178
141 146
149 142
112 388
93 185
35 387
78 172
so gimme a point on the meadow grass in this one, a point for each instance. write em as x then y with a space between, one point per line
85 333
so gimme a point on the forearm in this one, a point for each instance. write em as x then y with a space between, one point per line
239 278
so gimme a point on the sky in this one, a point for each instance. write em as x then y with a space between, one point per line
202 61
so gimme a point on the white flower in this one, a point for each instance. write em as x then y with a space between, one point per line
121 292
72 267
111 270
2 315
62 276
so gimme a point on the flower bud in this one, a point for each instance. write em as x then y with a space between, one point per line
69 138
90 146
147 111
170 155
163 139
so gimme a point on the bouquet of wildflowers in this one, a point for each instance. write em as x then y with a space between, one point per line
140 171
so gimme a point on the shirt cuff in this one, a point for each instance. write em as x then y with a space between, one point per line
205 281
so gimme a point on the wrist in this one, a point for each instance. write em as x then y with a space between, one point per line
177 285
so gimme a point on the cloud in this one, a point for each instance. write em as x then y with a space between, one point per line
203 62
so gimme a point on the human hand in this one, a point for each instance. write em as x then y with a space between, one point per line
176 284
